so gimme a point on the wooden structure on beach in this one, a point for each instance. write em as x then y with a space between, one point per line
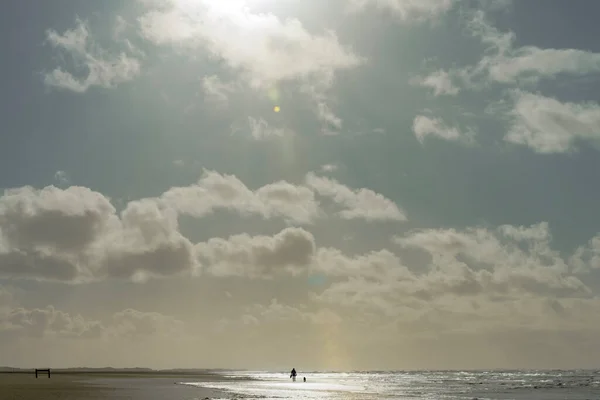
44 370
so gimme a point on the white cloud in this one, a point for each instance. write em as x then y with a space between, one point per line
357 203
585 258
296 203
506 64
407 9
548 126
120 26
217 91
264 46
61 177
440 81
329 168
216 191
261 130
537 233
103 69
257 256
424 126
316 92
333 123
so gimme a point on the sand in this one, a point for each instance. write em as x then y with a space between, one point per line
19 386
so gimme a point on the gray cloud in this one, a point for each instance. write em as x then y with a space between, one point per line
286 316
48 322
65 219
257 256
475 274
133 324
76 235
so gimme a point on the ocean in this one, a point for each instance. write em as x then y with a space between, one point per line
438 385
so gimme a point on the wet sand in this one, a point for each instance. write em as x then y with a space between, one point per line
92 386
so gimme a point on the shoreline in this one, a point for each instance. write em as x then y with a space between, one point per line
109 385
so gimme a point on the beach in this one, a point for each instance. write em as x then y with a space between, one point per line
91 386
450 385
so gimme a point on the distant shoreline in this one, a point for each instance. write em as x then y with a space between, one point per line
77 384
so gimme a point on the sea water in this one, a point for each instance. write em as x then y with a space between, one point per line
438 385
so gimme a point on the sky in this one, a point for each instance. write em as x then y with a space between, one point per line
329 185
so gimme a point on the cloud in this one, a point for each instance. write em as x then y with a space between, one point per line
317 94
508 64
217 91
119 27
257 256
103 69
48 322
216 191
329 167
134 324
424 126
440 81
52 217
22 322
477 279
288 317
587 257
333 124
357 203
261 130
265 50
517 259
76 235
262 45
61 177
505 64
407 9
296 203
547 125
6 298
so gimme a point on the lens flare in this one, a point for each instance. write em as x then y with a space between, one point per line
276 109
